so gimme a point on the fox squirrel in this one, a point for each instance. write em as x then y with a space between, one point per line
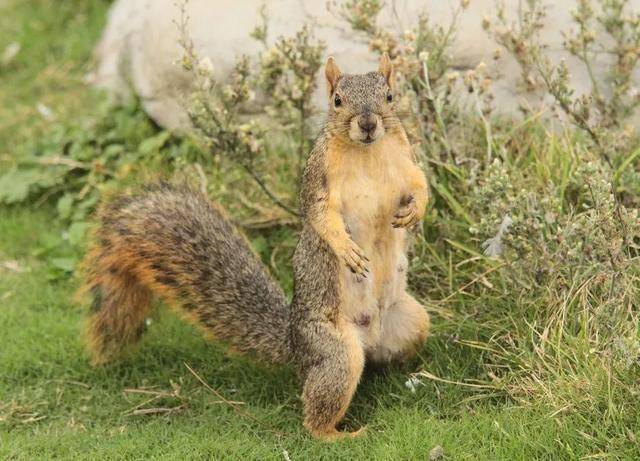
361 189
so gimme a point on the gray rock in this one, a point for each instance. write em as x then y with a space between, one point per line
139 47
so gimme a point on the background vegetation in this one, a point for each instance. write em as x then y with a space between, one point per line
527 258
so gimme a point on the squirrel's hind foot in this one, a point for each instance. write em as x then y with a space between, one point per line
331 435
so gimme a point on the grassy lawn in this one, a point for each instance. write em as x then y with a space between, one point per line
53 404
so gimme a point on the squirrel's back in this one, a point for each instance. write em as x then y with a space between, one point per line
173 242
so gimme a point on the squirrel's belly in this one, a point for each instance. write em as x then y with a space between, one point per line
365 299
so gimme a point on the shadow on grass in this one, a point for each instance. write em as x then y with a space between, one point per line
163 353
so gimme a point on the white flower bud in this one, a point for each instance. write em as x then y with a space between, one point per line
205 66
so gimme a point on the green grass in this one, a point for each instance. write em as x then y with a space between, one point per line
53 404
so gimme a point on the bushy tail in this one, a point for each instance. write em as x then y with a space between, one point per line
174 243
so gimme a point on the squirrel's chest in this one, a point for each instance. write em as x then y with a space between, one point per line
370 181
370 195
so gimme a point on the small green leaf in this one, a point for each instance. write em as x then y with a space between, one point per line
16 185
77 232
81 151
85 206
112 151
154 143
65 206
64 264
47 243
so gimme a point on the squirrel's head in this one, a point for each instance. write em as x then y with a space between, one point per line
361 106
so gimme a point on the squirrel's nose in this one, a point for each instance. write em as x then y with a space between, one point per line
367 123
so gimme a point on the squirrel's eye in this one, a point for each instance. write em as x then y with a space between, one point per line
389 97
337 101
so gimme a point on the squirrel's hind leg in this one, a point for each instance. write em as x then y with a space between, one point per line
405 327
336 362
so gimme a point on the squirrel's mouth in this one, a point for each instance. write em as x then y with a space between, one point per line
366 130
367 140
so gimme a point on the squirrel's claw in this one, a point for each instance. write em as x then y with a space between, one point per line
406 219
356 260
407 215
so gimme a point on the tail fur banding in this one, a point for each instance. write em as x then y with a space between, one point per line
172 242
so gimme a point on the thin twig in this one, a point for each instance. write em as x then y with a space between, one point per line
428 375
155 411
479 277
231 403
150 392
59 160
270 194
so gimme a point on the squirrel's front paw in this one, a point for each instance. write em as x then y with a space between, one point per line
407 215
355 258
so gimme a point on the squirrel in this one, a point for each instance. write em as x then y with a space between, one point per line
361 191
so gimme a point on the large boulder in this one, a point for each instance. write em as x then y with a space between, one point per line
138 51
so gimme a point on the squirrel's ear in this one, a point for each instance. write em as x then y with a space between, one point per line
386 69
332 72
